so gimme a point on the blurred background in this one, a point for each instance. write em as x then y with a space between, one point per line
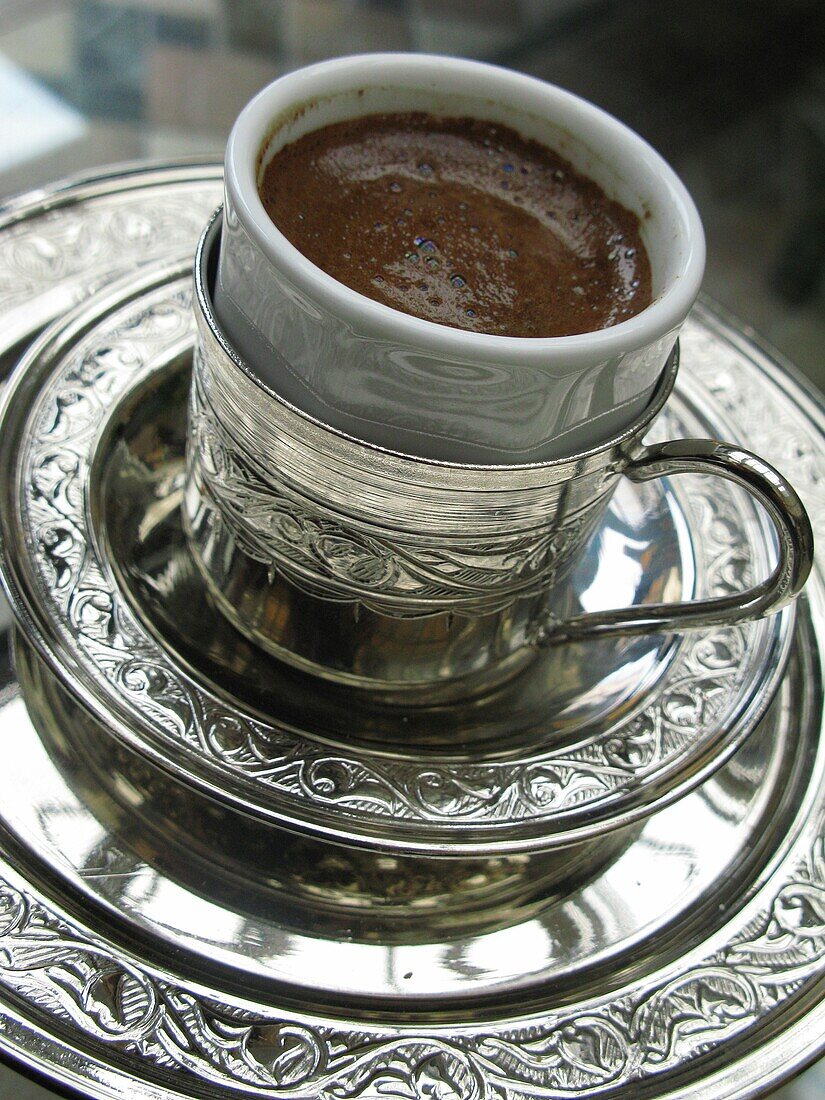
732 92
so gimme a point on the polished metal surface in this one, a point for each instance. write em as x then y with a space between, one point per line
713 1002
528 768
124 971
414 578
339 923
61 243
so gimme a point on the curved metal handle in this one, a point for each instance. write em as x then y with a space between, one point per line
796 548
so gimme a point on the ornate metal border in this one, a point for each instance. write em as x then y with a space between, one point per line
64 242
325 552
712 678
92 1015
789 444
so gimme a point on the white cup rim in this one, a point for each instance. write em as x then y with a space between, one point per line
253 128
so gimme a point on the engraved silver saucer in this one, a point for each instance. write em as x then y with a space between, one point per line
338 924
592 737
697 972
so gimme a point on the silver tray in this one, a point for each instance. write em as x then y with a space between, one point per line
61 243
716 994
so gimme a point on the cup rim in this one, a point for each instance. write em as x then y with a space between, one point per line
254 127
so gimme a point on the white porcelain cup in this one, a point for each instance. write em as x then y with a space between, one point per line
423 388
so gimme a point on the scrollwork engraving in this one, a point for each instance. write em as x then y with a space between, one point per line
633 1035
325 552
79 248
125 662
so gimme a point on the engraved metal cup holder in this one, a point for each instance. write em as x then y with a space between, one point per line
414 578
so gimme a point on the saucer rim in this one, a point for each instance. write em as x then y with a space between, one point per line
34 372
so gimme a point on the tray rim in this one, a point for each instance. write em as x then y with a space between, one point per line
129 176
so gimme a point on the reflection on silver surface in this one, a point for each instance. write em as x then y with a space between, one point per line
691 910
539 789
719 1000
338 922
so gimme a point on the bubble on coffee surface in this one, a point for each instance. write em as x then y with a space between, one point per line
512 240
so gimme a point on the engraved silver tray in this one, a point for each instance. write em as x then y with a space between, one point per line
61 243
695 971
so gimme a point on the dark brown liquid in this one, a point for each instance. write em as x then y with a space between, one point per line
461 222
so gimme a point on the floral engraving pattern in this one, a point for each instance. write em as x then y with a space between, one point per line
718 364
633 1035
54 259
304 779
326 552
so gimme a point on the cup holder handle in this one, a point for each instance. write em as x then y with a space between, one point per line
775 494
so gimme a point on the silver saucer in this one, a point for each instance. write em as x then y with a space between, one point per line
341 924
718 993
722 999
96 567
